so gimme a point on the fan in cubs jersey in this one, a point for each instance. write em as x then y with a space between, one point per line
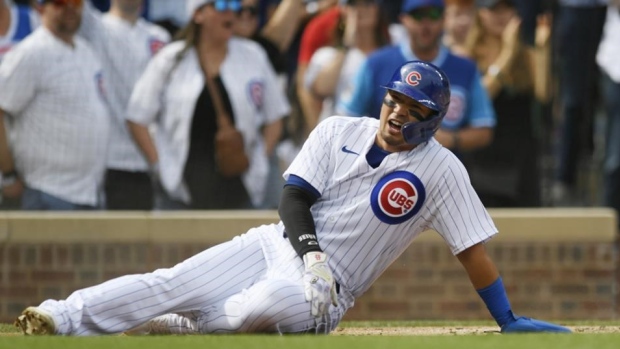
358 193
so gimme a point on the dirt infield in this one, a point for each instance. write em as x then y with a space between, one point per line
450 331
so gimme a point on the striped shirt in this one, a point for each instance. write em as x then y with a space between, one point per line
125 50
55 96
366 217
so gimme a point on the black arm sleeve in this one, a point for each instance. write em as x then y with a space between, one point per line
295 213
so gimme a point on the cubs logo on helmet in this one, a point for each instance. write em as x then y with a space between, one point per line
397 197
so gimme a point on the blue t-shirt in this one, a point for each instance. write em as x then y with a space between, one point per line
470 105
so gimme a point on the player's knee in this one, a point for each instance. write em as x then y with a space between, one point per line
271 305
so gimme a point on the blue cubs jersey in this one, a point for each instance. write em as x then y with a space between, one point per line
470 105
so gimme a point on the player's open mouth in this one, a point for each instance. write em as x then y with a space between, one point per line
395 125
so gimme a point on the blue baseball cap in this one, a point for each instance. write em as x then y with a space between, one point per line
410 5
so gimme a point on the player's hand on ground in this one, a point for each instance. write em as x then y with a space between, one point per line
320 286
523 324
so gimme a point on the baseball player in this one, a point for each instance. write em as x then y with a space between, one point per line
358 193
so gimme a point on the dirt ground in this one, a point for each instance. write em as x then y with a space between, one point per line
450 331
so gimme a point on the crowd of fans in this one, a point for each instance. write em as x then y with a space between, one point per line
116 104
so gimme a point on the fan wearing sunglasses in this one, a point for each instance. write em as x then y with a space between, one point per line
125 43
53 89
206 81
470 120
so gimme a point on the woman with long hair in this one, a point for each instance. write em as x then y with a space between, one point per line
507 172
182 95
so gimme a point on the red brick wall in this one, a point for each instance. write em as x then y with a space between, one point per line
572 280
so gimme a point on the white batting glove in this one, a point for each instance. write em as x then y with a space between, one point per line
320 286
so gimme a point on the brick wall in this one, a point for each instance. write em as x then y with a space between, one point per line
563 274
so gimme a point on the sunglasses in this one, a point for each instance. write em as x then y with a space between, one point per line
432 13
223 5
252 11
74 3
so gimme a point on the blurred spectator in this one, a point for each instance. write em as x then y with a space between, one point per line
172 94
607 58
469 122
507 172
16 22
275 38
362 30
170 14
460 15
578 29
52 89
125 43
319 32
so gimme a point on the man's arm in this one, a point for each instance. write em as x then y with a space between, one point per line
320 286
7 165
487 282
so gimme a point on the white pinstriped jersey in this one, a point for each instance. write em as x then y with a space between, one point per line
56 96
366 217
124 50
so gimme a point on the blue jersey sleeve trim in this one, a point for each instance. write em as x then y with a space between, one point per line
482 112
300 182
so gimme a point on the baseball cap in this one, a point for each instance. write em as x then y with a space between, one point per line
492 3
410 5
220 5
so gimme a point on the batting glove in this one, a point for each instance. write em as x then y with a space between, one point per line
320 286
523 324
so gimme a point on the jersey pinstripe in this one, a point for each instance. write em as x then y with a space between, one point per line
360 245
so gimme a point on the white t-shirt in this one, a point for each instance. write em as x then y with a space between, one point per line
366 217
609 48
55 95
170 99
124 50
321 58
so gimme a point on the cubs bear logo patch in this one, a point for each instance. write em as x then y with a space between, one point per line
397 197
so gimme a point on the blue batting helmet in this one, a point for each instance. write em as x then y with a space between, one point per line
429 86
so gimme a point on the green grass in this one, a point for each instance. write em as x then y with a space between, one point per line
491 341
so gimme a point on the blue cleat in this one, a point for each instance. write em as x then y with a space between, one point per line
526 325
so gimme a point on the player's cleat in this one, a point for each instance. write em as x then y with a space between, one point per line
165 324
523 324
35 321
